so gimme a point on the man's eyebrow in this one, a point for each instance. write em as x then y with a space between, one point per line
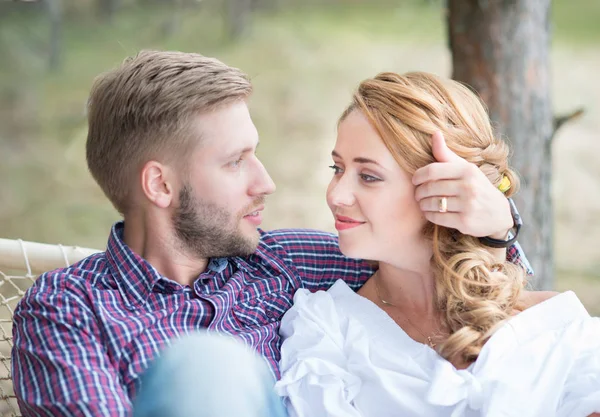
358 160
243 151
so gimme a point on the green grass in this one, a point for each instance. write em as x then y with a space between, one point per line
576 22
403 21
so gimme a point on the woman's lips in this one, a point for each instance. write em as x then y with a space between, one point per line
345 223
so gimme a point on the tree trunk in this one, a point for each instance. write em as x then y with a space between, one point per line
238 16
501 49
173 22
107 10
55 14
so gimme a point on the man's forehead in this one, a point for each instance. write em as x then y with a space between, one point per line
225 140
226 131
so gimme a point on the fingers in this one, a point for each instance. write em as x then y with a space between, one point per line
448 219
445 188
432 204
441 151
472 202
449 165
439 171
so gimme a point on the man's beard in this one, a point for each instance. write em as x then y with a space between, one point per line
208 230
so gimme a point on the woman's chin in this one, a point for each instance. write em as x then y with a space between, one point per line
353 250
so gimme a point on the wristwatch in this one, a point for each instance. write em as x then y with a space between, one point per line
517 223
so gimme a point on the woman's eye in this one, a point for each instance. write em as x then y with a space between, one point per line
369 178
336 169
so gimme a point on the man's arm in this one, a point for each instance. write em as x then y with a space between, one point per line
59 365
516 255
317 258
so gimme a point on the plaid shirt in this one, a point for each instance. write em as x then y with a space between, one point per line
84 334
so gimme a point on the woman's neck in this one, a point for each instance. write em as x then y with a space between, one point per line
408 289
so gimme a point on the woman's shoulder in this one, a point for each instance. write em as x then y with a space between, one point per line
339 290
530 299
540 312
316 310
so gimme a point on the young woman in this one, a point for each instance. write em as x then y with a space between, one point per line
442 328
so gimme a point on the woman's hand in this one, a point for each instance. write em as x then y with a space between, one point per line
474 206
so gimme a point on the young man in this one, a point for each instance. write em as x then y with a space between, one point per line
172 145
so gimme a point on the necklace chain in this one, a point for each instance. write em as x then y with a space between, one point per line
429 339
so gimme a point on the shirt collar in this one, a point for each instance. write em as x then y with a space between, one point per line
136 276
218 264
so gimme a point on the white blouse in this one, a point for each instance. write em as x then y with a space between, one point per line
344 356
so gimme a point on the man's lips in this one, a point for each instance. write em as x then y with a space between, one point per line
254 216
256 211
343 222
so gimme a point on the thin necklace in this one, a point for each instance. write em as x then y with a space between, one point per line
430 341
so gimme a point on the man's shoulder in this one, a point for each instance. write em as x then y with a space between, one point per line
69 280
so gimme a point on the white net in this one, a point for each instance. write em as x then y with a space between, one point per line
20 263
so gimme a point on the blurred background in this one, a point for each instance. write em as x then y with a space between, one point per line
304 58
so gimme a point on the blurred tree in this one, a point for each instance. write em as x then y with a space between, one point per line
55 15
501 49
173 22
107 9
238 16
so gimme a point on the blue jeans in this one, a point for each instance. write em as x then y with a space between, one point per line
208 375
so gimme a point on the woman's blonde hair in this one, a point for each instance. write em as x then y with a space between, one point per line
475 293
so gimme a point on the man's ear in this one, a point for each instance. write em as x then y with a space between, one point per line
158 183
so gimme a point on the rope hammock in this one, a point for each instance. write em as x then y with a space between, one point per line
20 263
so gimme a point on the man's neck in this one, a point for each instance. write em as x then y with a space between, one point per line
153 240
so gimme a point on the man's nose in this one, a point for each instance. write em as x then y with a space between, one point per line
263 183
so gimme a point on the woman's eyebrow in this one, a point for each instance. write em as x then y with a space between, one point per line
358 160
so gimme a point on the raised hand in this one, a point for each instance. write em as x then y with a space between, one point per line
472 204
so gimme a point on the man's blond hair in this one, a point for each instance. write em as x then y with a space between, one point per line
143 110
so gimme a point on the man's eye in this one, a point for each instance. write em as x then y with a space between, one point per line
336 169
236 164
